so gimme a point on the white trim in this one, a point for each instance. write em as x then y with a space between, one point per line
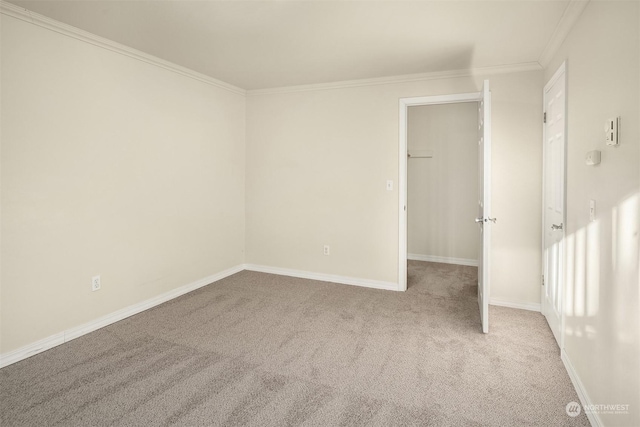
78 34
531 306
443 259
593 417
569 18
31 349
70 334
559 73
344 280
442 99
404 104
402 195
407 78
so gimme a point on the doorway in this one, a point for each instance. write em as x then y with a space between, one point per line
442 183
484 219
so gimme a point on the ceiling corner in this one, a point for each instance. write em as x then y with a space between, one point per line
570 16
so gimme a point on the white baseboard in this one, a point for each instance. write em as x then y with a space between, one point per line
531 306
345 280
593 417
444 260
31 349
70 334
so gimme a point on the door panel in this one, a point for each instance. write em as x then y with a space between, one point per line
484 218
554 201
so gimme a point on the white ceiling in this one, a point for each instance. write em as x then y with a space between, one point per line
264 44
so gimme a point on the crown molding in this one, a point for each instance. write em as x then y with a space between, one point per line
76 33
570 16
407 78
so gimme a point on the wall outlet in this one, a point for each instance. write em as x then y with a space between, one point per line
95 283
327 250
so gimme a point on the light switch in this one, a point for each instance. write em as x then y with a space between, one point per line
389 185
611 131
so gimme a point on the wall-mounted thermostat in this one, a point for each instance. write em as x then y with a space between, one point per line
611 131
592 158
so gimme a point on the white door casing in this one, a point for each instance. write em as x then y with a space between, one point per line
553 220
484 218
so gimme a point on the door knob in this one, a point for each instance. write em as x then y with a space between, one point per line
556 227
493 220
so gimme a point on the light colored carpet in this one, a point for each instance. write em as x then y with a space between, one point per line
264 350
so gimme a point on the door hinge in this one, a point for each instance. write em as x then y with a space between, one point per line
544 117
543 280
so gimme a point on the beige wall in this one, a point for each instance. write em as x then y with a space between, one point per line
317 163
442 191
110 166
602 330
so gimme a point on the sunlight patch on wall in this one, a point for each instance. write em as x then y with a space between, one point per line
580 273
625 267
593 268
570 277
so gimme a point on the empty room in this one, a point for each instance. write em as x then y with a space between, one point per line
319 213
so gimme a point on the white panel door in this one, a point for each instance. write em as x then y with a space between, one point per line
484 219
553 202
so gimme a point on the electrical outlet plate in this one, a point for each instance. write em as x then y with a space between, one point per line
95 283
327 250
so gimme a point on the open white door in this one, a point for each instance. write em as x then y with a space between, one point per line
553 202
484 218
